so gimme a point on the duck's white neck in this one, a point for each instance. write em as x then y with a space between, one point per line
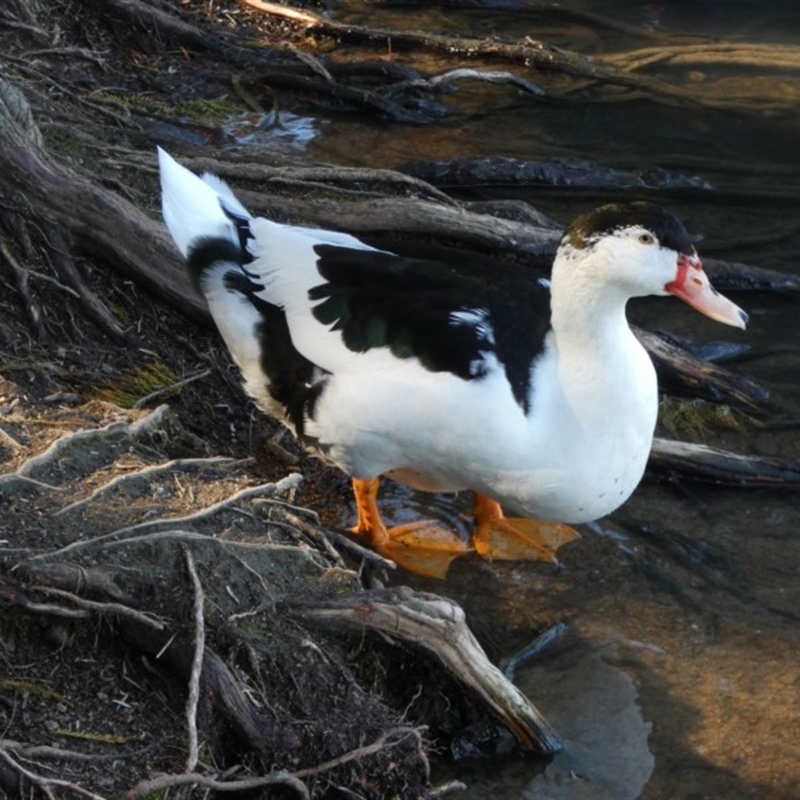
604 377
586 315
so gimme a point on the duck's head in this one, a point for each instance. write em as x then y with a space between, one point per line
637 249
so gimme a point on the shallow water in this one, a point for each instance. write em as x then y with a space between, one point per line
682 663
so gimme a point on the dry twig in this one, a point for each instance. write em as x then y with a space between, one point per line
114 609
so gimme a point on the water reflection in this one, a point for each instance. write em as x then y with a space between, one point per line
280 130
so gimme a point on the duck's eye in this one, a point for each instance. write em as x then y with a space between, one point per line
646 238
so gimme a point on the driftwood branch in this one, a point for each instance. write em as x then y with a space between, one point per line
439 625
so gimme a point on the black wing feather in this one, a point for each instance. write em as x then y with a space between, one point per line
378 299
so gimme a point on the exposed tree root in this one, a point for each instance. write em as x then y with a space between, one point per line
147 473
197 663
85 607
114 431
30 779
439 625
287 484
165 782
772 56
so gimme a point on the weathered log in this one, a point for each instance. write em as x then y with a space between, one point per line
696 462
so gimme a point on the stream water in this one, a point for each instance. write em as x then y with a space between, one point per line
680 673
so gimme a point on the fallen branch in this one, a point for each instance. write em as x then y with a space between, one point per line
439 625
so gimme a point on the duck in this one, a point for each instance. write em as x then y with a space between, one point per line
533 394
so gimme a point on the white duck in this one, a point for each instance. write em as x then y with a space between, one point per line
538 399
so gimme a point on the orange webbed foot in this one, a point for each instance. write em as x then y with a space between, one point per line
423 547
516 539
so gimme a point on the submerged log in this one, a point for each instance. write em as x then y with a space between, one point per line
555 172
682 373
697 462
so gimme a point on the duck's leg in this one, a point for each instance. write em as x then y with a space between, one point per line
505 538
423 547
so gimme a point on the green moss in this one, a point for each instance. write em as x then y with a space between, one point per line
33 689
695 418
216 109
128 389
105 738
